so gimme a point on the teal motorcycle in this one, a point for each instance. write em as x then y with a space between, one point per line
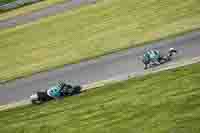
153 57
60 90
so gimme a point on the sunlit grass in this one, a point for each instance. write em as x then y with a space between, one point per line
92 31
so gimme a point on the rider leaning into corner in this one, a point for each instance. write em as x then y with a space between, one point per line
154 56
54 92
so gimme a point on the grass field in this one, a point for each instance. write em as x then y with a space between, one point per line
27 9
166 102
92 31
6 1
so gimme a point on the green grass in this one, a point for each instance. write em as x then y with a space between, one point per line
6 1
27 9
166 102
92 31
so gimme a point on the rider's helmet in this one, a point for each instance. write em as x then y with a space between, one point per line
172 50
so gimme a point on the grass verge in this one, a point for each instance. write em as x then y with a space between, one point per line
91 31
158 103
28 9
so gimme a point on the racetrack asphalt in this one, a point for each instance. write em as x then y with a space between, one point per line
42 13
105 67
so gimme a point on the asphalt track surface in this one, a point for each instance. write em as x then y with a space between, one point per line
105 67
42 13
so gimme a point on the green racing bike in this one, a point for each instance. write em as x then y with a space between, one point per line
153 57
60 90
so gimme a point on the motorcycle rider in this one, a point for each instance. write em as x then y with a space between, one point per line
154 56
55 92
